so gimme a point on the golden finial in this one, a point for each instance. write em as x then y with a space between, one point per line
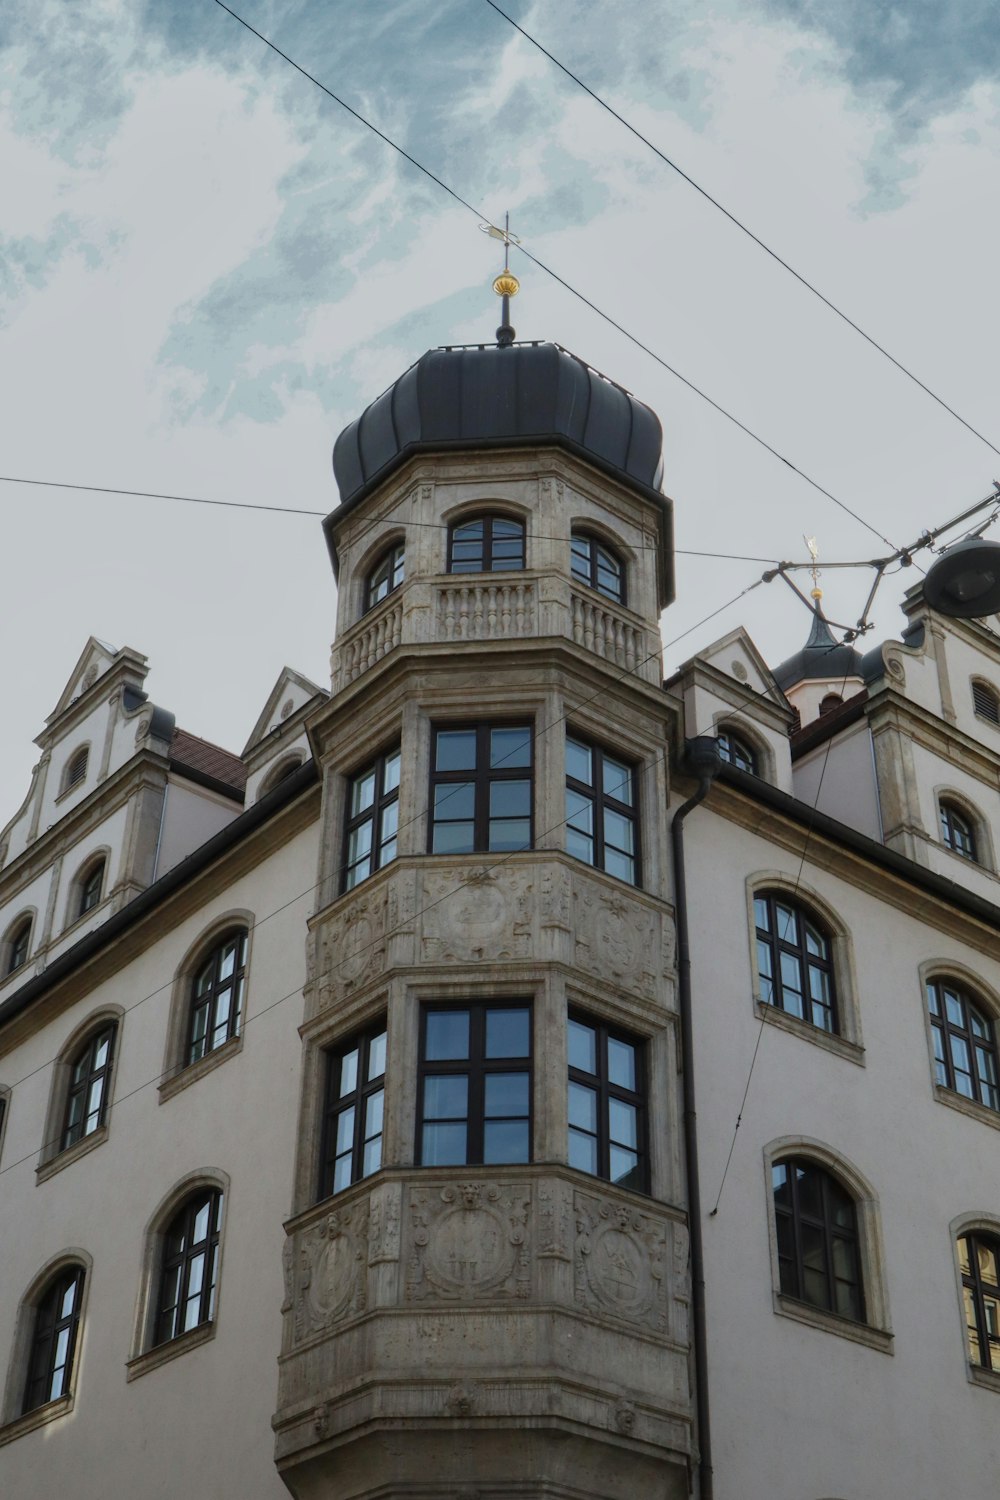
506 285
817 592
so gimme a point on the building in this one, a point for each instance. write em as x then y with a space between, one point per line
359 1089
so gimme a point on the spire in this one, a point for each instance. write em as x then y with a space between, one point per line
506 285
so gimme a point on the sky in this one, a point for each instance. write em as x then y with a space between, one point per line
208 268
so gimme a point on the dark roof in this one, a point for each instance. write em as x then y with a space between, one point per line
206 760
821 656
486 397
807 736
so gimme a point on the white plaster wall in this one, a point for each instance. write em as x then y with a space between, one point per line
199 1425
798 1412
839 778
191 816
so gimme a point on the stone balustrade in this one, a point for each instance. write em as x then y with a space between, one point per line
498 609
599 627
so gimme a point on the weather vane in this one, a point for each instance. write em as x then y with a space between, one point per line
813 550
506 285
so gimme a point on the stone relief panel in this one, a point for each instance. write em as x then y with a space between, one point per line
619 1262
489 916
469 1241
619 940
353 944
329 1271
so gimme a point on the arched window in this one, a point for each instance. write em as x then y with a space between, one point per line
189 1266
816 1224
281 772
217 996
986 702
89 1086
387 575
828 703
486 544
736 751
596 565
794 961
18 946
54 1338
958 832
76 768
979 1263
90 888
965 1047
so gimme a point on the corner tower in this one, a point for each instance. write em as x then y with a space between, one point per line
486 1264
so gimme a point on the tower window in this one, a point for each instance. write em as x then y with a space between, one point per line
76 768
594 564
607 1129
487 544
372 818
475 1085
90 889
355 1097
736 751
481 788
18 946
601 810
958 832
387 575
986 702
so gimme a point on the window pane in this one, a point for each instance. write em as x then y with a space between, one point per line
932 1000
510 834
579 761
505 1140
622 866
101 1050
359 844
373 1114
953 1007
446 1097
444 1145
619 832
582 1107
761 915
617 780
349 1072
624 1167
342 1173
510 799
376 1056
621 1064
582 1042
456 750
579 845
583 1152
508 1033
345 1130
624 1127
362 793
506 1096
779 1182
390 780
455 800
372 1157
453 838
510 747
447 1034
579 812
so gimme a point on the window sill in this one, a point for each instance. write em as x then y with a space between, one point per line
193 1071
54 1164
828 1040
970 1107
50 1412
988 1379
152 1359
859 1333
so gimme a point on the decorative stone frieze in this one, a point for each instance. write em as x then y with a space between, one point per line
469 1241
488 916
618 939
330 1270
618 1261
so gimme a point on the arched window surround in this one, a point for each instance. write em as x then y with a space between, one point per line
483 508
848 1041
178 1073
51 1158
95 859
284 767
727 723
145 1355
876 1331
986 998
972 1223
982 835
72 776
27 917
389 537
24 1333
985 700
586 530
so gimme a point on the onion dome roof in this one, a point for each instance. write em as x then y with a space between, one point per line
821 657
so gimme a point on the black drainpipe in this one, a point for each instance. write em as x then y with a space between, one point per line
701 755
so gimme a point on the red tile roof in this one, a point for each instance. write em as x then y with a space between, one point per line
211 760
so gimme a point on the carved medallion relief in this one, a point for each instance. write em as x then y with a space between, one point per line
469 1241
618 1262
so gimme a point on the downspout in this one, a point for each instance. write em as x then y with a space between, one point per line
701 755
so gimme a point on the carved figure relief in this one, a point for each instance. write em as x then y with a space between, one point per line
383 1225
618 1262
469 1241
332 1262
355 942
482 918
553 1220
616 939
555 898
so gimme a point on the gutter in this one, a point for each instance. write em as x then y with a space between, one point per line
702 757
286 791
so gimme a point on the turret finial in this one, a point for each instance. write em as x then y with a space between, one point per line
506 285
817 592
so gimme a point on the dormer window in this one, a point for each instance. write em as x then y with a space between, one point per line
986 702
487 544
76 768
594 564
958 832
18 946
736 751
387 575
829 703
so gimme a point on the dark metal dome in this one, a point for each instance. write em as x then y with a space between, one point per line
821 656
486 397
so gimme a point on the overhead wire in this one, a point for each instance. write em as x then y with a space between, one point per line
740 225
555 276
